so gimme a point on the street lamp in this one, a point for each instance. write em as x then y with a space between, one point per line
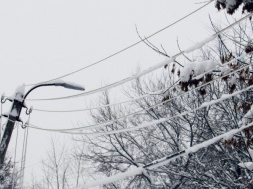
17 105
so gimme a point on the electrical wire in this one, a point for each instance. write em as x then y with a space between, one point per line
123 117
92 108
126 48
64 152
165 160
134 99
115 120
206 104
24 159
115 84
14 164
151 69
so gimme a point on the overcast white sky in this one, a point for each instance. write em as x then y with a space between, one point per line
40 40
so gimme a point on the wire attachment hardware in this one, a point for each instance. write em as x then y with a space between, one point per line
4 115
3 100
29 111
24 125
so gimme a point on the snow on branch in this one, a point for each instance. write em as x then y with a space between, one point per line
200 44
205 104
151 69
196 68
165 160
195 148
232 5
144 125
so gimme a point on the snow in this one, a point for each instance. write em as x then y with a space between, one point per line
165 160
224 70
78 128
195 148
151 69
250 152
207 143
224 97
226 135
120 176
200 44
223 67
145 172
247 165
205 104
74 85
196 69
232 81
103 106
229 4
247 118
19 93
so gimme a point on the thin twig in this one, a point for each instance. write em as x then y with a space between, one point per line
153 47
182 51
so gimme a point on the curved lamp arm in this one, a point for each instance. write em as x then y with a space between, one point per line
62 84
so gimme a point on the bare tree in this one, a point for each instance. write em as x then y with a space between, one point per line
55 168
213 167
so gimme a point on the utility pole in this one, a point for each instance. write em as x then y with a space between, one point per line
17 105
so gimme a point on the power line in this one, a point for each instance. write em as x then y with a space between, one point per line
206 104
151 69
131 100
126 48
149 123
165 160
156 161
238 92
92 108
156 105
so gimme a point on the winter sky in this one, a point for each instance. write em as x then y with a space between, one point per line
41 40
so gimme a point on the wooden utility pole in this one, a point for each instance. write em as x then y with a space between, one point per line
13 116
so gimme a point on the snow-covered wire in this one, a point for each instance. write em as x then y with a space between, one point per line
141 126
149 70
156 105
205 104
159 92
93 108
126 48
28 166
163 161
